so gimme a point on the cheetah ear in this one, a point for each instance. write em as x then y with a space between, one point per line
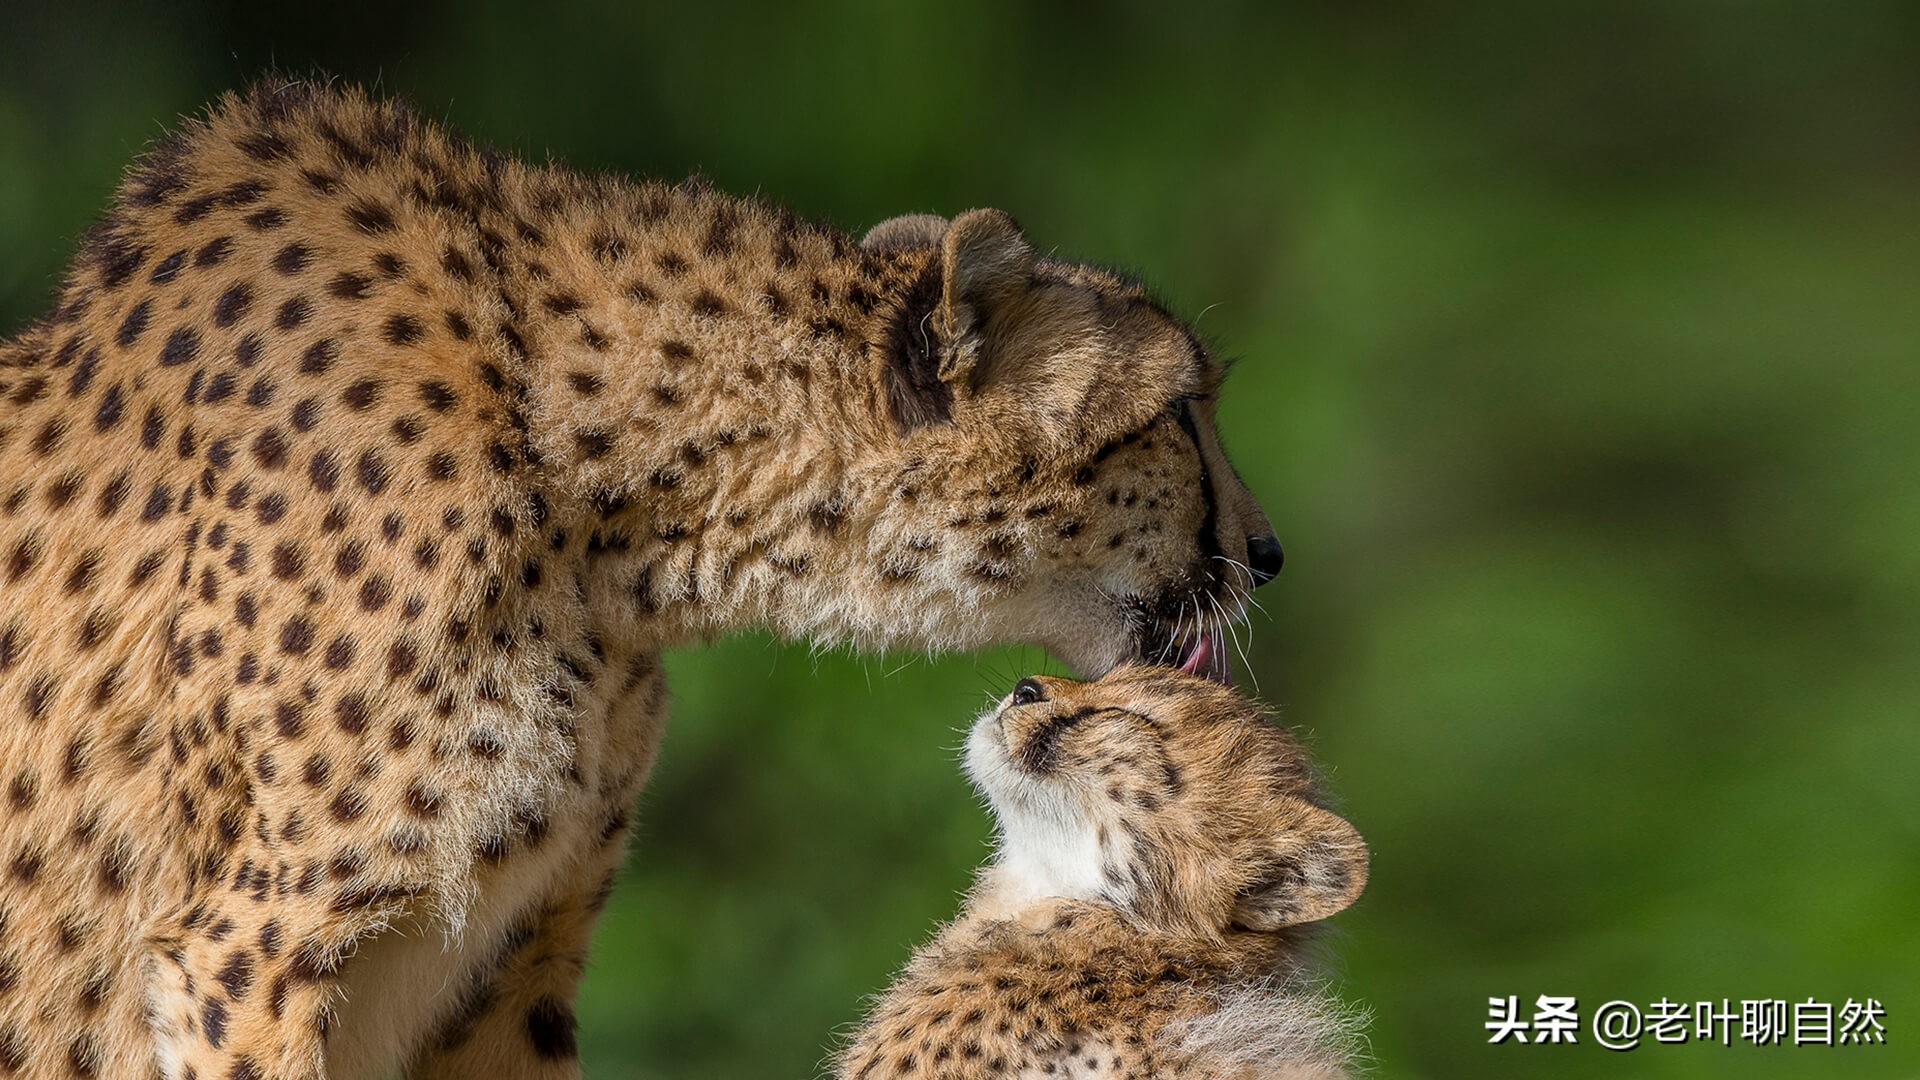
905 232
1318 868
985 261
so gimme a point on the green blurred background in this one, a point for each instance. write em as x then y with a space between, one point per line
1579 378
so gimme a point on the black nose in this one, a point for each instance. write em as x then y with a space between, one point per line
1264 558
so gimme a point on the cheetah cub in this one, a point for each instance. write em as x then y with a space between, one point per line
1163 845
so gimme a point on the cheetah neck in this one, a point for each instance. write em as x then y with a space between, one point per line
703 380
1033 871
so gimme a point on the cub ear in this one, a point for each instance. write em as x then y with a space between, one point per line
985 261
1318 868
905 231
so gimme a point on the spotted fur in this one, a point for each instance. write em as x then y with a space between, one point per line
357 480
1163 847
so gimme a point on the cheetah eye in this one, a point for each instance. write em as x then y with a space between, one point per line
1027 692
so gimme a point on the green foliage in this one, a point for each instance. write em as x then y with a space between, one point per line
1579 379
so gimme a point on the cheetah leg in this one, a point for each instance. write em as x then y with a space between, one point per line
516 1019
241 990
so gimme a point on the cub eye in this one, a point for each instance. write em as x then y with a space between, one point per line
1026 692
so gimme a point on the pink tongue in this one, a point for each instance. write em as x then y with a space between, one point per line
1209 659
1196 660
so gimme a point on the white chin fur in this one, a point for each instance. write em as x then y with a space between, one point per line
1095 631
1095 658
1048 845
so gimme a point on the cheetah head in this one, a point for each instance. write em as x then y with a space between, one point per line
1166 795
1054 476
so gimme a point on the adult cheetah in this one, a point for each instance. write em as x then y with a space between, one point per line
358 478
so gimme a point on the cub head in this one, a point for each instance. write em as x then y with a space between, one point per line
1053 475
1165 795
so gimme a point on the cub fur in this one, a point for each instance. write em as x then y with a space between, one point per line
1162 846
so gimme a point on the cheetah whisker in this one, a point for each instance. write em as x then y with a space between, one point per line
1243 591
1232 627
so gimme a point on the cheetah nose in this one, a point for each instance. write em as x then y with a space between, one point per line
1264 558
